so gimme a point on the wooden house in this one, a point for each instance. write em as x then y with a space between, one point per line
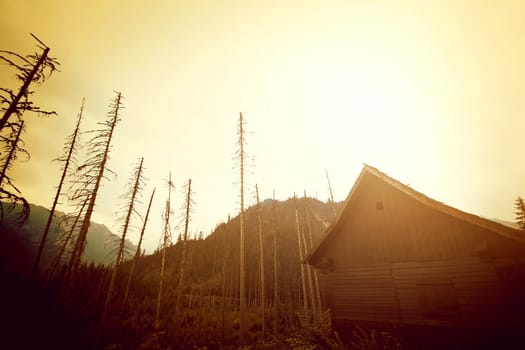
395 256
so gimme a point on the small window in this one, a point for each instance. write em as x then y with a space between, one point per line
379 205
438 300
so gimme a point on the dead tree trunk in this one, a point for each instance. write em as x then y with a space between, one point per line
138 183
137 252
12 152
308 271
33 68
223 301
334 211
67 239
242 274
71 145
180 285
7 195
276 300
95 167
303 273
28 76
316 295
165 238
261 264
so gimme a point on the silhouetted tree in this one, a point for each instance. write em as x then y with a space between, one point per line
519 205
92 172
332 202
314 285
70 147
165 243
223 276
137 183
8 191
67 239
242 273
276 300
300 248
261 261
187 211
137 252
33 68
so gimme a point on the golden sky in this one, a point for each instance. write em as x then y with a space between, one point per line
430 92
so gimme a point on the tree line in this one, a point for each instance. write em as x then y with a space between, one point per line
242 288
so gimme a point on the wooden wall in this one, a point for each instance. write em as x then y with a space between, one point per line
397 260
461 292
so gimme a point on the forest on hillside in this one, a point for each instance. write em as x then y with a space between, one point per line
242 285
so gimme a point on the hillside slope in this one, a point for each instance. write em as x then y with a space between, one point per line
206 257
19 243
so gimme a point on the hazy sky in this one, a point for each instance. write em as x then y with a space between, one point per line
430 92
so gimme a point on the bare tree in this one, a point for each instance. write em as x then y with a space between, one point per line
300 247
137 252
165 242
309 272
70 147
12 147
137 184
332 202
261 262
188 210
92 173
316 294
223 275
35 68
66 240
8 191
276 300
242 273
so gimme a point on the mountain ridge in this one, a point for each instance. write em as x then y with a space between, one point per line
19 243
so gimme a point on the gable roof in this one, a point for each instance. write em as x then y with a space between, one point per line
493 226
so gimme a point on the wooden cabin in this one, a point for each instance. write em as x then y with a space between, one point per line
395 256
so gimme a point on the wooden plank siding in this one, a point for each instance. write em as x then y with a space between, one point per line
406 230
389 292
393 257
474 284
363 294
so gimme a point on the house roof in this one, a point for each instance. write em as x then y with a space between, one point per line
493 226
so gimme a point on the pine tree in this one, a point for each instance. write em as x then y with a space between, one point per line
519 205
